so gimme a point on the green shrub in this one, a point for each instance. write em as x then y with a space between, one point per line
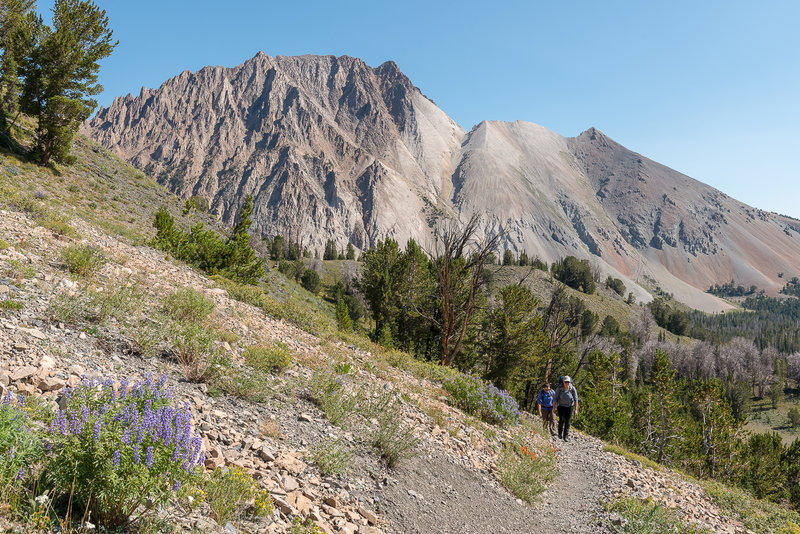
616 285
646 517
328 392
307 527
229 491
394 440
146 336
794 418
68 309
188 305
524 471
84 260
332 457
310 281
343 320
254 387
275 357
19 448
206 250
759 515
121 303
116 451
197 352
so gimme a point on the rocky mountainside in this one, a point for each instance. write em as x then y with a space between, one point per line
450 485
331 148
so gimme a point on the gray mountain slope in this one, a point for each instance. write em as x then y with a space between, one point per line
331 148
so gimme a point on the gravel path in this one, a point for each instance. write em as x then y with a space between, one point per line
431 493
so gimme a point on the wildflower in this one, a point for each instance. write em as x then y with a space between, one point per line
96 430
176 486
116 459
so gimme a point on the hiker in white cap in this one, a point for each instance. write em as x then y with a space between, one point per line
565 400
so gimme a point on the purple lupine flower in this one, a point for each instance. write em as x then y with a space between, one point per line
96 430
21 400
136 454
126 436
148 460
176 486
116 458
123 388
7 401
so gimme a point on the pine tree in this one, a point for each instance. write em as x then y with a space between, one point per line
351 252
17 20
343 320
665 388
243 221
719 429
61 75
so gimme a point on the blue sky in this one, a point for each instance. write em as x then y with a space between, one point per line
709 88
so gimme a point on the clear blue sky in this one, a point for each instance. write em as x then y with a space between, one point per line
709 88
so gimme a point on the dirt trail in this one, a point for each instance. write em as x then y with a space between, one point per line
432 494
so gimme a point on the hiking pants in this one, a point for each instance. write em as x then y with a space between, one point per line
547 419
564 415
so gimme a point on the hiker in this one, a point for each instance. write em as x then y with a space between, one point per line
566 401
545 403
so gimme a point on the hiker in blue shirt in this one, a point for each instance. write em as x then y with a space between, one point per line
566 401
545 403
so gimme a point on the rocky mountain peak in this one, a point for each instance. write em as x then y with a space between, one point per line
331 148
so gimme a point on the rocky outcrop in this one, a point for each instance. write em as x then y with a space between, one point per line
331 148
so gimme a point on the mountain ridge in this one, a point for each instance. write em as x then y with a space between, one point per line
332 148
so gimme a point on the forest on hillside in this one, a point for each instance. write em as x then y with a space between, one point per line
683 403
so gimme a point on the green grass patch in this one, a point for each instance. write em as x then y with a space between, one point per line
332 457
646 517
761 516
765 419
275 357
56 223
83 260
525 470
622 451
188 305
10 305
17 269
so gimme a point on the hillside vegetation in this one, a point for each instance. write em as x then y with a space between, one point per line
289 409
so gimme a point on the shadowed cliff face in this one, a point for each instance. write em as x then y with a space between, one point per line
332 148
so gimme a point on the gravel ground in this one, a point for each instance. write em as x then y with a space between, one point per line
430 493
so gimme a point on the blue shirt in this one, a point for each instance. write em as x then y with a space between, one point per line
546 399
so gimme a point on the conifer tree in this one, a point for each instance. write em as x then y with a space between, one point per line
665 388
61 75
17 20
